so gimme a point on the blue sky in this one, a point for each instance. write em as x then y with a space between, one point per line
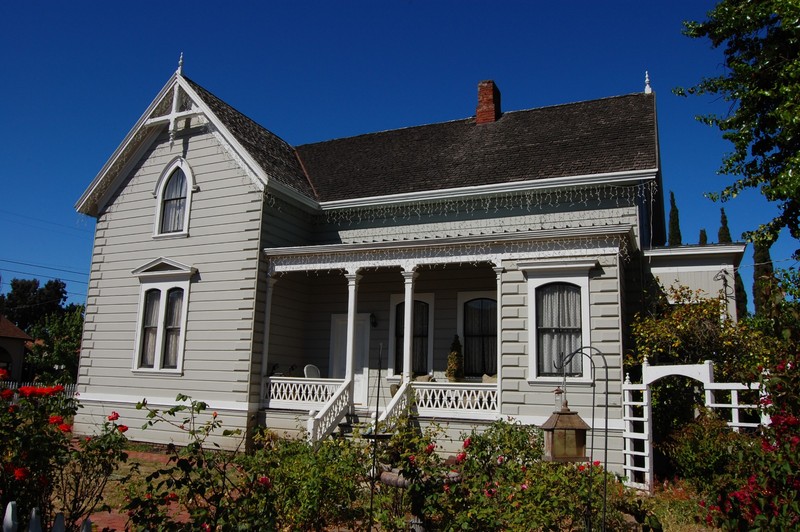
77 75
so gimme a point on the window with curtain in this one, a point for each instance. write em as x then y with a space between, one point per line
172 328
173 203
480 337
419 338
161 328
147 355
558 328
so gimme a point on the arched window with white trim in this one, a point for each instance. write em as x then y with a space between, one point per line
174 196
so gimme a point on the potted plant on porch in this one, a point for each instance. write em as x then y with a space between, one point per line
455 362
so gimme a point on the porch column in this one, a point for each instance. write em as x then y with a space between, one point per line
352 290
498 272
265 372
408 321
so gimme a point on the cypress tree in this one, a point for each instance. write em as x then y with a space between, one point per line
724 234
763 280
674 223
703 240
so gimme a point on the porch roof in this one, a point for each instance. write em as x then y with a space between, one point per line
481 248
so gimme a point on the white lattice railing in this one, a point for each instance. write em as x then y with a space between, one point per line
297 393
456 400
734 406
328 418
396 408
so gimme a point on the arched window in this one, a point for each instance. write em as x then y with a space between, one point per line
480 337
173 193
558 328
173 203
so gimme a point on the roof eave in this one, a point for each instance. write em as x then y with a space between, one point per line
625 177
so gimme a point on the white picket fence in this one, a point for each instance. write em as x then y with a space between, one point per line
10 521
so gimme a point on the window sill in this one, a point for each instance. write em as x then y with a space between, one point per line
152 372
170 236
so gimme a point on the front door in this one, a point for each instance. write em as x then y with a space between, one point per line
339 353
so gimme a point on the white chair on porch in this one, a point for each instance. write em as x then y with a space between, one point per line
311 371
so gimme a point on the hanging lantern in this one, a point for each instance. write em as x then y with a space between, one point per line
565 436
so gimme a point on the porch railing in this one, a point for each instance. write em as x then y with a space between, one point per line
324 422
399 405
462 400
297 393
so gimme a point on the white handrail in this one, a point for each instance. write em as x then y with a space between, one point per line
297 393
325 421
462 400
399 405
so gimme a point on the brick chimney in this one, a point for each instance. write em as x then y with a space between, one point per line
488 102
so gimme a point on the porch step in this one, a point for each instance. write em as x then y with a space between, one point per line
358 421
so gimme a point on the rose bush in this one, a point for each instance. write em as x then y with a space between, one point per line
42 466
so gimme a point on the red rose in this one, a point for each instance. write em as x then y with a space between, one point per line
581 467
20 473
460 457
27 391
65 428
56 420
430 448
114 416
265 481
490 492
467 442
3 374
412 459
122 428
596 463
7 394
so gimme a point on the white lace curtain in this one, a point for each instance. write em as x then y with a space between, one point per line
558 327
149 328
172 328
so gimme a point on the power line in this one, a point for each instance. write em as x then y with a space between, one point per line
40 220
42 266
46 276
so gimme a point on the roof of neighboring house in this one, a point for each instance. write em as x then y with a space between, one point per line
593 137
9 330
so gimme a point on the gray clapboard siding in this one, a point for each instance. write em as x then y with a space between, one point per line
224 225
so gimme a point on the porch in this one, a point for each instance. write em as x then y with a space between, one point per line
349 327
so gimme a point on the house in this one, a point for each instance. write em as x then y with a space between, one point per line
12 348
275 282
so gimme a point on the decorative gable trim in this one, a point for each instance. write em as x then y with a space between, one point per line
164 269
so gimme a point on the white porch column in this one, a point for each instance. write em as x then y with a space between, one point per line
352 292
498 272
408 321
265 341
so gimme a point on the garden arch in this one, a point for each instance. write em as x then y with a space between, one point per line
638 418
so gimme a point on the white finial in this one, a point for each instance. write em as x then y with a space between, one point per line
647 88
180 65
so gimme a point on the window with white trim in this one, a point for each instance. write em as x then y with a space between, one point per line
421 336
477 329
558 316
163 304
174 196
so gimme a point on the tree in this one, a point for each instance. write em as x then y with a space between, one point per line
763 277
674 223
724 234
761 81
703 240
27 302
724 237
56 350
